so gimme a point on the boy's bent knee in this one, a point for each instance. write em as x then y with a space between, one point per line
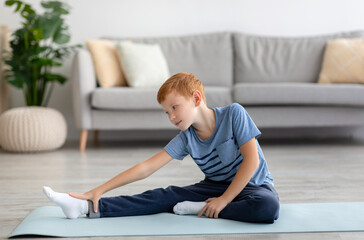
268 208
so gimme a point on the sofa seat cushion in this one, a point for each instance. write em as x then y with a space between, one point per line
299 94
127 98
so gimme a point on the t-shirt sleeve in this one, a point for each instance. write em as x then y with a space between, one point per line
177 147
244 128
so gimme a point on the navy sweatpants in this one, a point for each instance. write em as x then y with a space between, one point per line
253 204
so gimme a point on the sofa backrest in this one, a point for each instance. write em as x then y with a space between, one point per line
281 59
208 56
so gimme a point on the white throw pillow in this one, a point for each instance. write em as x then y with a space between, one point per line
144 65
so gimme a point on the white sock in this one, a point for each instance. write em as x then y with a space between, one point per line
187 207
71 207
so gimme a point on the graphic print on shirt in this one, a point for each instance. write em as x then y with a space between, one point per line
222 163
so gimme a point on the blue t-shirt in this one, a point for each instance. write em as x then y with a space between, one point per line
219 156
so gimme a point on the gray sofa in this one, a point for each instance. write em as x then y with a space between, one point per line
274 78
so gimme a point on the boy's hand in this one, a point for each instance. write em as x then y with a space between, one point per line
213 207
90 195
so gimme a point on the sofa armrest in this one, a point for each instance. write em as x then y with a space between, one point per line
83 84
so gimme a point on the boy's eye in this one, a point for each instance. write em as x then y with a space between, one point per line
174 107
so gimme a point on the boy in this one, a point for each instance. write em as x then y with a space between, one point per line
222 142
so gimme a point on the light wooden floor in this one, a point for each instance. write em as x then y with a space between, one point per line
304 171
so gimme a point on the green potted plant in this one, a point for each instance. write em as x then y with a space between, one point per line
37 47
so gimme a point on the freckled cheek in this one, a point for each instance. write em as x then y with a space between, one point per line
182 115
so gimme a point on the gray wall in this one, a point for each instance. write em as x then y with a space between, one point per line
130 18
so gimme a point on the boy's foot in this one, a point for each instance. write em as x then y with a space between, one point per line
188 208
71 207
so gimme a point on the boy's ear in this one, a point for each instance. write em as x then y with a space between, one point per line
197 98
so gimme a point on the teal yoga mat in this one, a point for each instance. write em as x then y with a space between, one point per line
294 218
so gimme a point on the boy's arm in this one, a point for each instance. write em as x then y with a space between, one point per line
156 162
138 172
249 151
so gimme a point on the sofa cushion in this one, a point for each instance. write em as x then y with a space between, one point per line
281 59
299 94
106 63
343 61
144 65
126 98
208 56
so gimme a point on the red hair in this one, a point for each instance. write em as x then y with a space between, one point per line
183 83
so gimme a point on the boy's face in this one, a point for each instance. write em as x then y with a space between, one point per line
180 111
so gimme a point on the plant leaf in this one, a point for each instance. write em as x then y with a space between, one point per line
27 11
61 38
49 25
17 79
46 62
58 7
9 2
55 77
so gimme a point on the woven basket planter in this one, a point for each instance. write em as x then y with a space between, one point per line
32 129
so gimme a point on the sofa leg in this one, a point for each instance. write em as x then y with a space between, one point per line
96 137
83 140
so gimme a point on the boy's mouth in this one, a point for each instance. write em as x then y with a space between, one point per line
178 123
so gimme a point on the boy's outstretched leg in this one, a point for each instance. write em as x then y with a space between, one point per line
71 207
149 202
